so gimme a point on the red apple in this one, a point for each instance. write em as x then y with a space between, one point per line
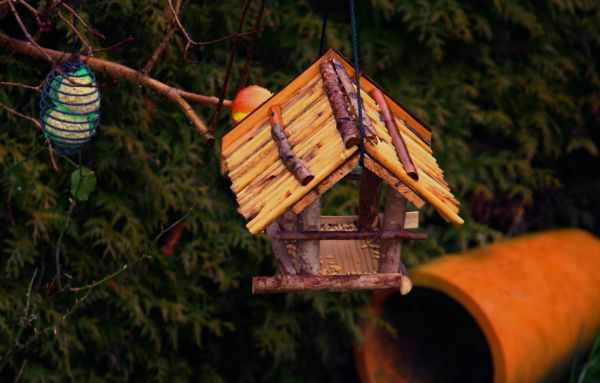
247 100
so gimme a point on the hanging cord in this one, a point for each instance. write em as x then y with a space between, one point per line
361 128
323 27
75 22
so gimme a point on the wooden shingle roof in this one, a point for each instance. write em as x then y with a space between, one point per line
265 189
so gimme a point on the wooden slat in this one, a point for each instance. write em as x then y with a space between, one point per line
265 163
326 184
259 141
393 181
286 197
290 283
314 152
394 166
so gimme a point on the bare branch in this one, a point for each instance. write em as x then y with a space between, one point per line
85 25
31 40
163 44
18 114
121 43
83 40
250 54
177 96
236 44
19 85
29 7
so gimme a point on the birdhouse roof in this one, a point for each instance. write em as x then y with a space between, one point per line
264 187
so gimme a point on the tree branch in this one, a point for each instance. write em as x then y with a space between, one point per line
18 114
112 69
163 44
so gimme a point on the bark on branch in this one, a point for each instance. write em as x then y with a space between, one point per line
289 283
397 139
112 69
343 120
294 164
349 88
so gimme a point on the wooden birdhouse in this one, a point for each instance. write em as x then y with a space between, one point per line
303 140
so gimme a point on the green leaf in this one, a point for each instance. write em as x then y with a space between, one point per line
83 183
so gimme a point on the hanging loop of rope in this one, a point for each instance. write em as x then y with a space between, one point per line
361 128
324 27
75 23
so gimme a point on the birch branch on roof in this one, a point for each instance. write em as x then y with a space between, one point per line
348 86
294 164
344 123
397 139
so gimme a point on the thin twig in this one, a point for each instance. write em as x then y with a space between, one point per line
234 48
29 7
110 276
27 34
165 41
190 43
18 84
250 54
170 227
121 43
18 114
79 35
140 259
51 154
59 242
28 296
85 25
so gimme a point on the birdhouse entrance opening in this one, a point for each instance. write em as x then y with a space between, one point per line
343 253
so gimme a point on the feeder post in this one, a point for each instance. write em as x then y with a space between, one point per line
308 251
280 250
368 200
393 219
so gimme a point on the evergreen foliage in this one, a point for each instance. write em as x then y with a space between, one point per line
510 88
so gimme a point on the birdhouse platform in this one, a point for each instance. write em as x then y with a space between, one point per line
301 142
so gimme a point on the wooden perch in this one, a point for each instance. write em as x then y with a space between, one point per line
294 164
368 200
290 283
397 140
112 69
350 235
349 88
344 123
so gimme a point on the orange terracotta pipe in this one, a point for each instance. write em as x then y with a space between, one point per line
535 300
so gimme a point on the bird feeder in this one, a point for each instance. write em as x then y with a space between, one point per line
70 106
301 142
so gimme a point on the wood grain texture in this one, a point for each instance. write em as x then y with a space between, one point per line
393 181
344 122
280 250
308 251
326 184
368 200
350 90
393 219
295 165
290 283
397 140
